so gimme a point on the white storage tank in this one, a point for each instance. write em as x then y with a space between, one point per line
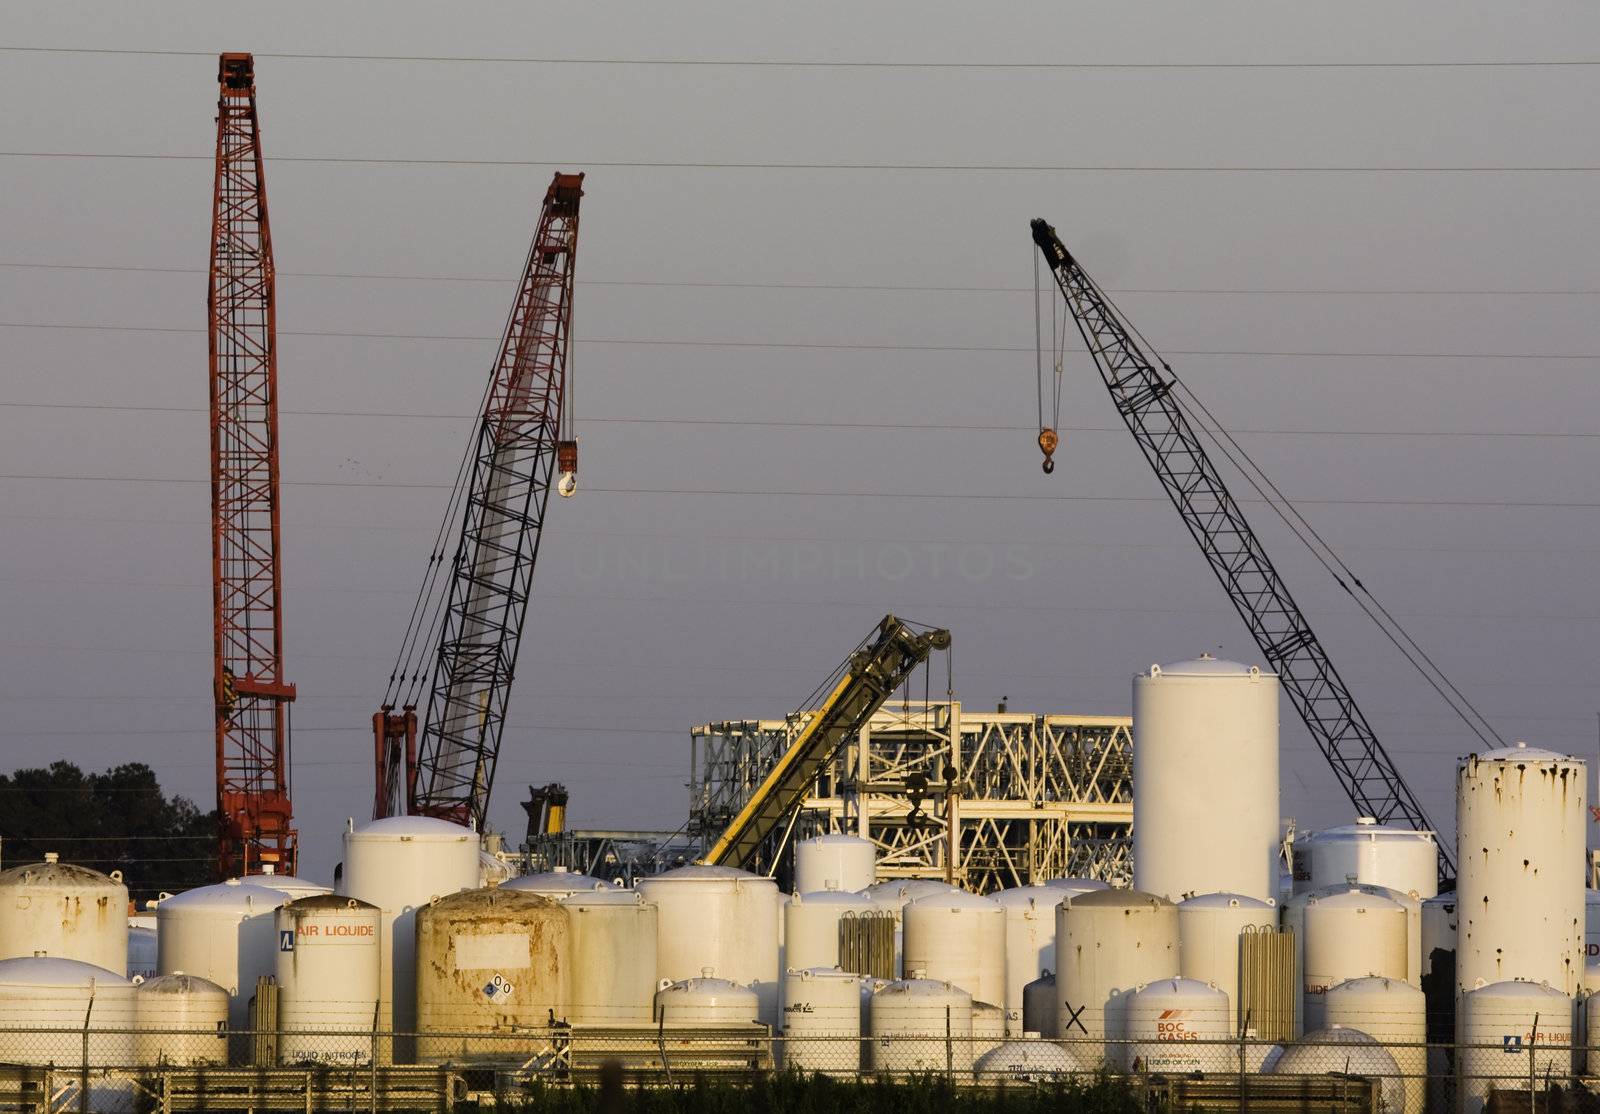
182 1022
613 940
329 970
895 893
822 1020
490 963
705 1002
286 883
64 910
1030 944
557 883
1205 775
1521 814
1030 1061
1495 1036
1438 930
46 992
958 938
921 1025
143 955
721 918
1294 920
1395 1014
224 933
1350 935
1179 1026
1039 1006
811 926
399 864
1209 927
834 862
1591 1017
1349 1052
1076 885
1377 854
1591 933
1109 942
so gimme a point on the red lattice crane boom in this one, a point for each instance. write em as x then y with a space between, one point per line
255 819
523 439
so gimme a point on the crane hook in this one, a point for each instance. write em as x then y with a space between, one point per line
1048 443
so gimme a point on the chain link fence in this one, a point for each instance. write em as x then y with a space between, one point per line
125 1071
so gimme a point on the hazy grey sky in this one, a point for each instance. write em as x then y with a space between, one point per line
716 565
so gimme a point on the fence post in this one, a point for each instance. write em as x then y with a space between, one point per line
949 1049
373 1062
83 1078
1244 1086
1533 1075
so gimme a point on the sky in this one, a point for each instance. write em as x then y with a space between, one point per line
1366 236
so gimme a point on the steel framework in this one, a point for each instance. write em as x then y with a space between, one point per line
256 824
1025 797
521 441
1148 406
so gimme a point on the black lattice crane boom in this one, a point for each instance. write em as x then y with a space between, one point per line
256 819
523 439
1146 401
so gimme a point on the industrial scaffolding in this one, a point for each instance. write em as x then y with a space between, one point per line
1018 796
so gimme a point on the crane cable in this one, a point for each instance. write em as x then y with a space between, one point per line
1049 437
1311 538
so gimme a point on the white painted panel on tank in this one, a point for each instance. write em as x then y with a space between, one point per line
1205 778
492 949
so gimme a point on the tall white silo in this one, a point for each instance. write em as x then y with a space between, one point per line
1521 816
1205 777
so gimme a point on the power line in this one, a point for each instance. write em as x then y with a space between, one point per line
824 345
842 286
980 168
839 64
765 423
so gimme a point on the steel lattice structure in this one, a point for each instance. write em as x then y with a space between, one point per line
1032 796
1146 401
519 440
252 730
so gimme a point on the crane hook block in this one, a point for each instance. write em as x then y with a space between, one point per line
1048 443
567 465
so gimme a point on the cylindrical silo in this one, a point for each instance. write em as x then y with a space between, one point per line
490 963
721 918
1500 1025
1348 1052
834 861
1178 1026
63 910
1394 1013
1039 1009
143 956
557 883
811 926
822 1020
1350 935
65 995
330 964
182 1022
1030 913
1521 816
224 933
1398 858
705 1003
399 864
958 938
613 940
1205 776
1209 927
920 1025
1030 1061
1108 943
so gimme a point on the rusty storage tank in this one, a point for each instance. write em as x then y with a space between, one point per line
1521 820
66 911
329 972
182 1022
613 958
490 963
